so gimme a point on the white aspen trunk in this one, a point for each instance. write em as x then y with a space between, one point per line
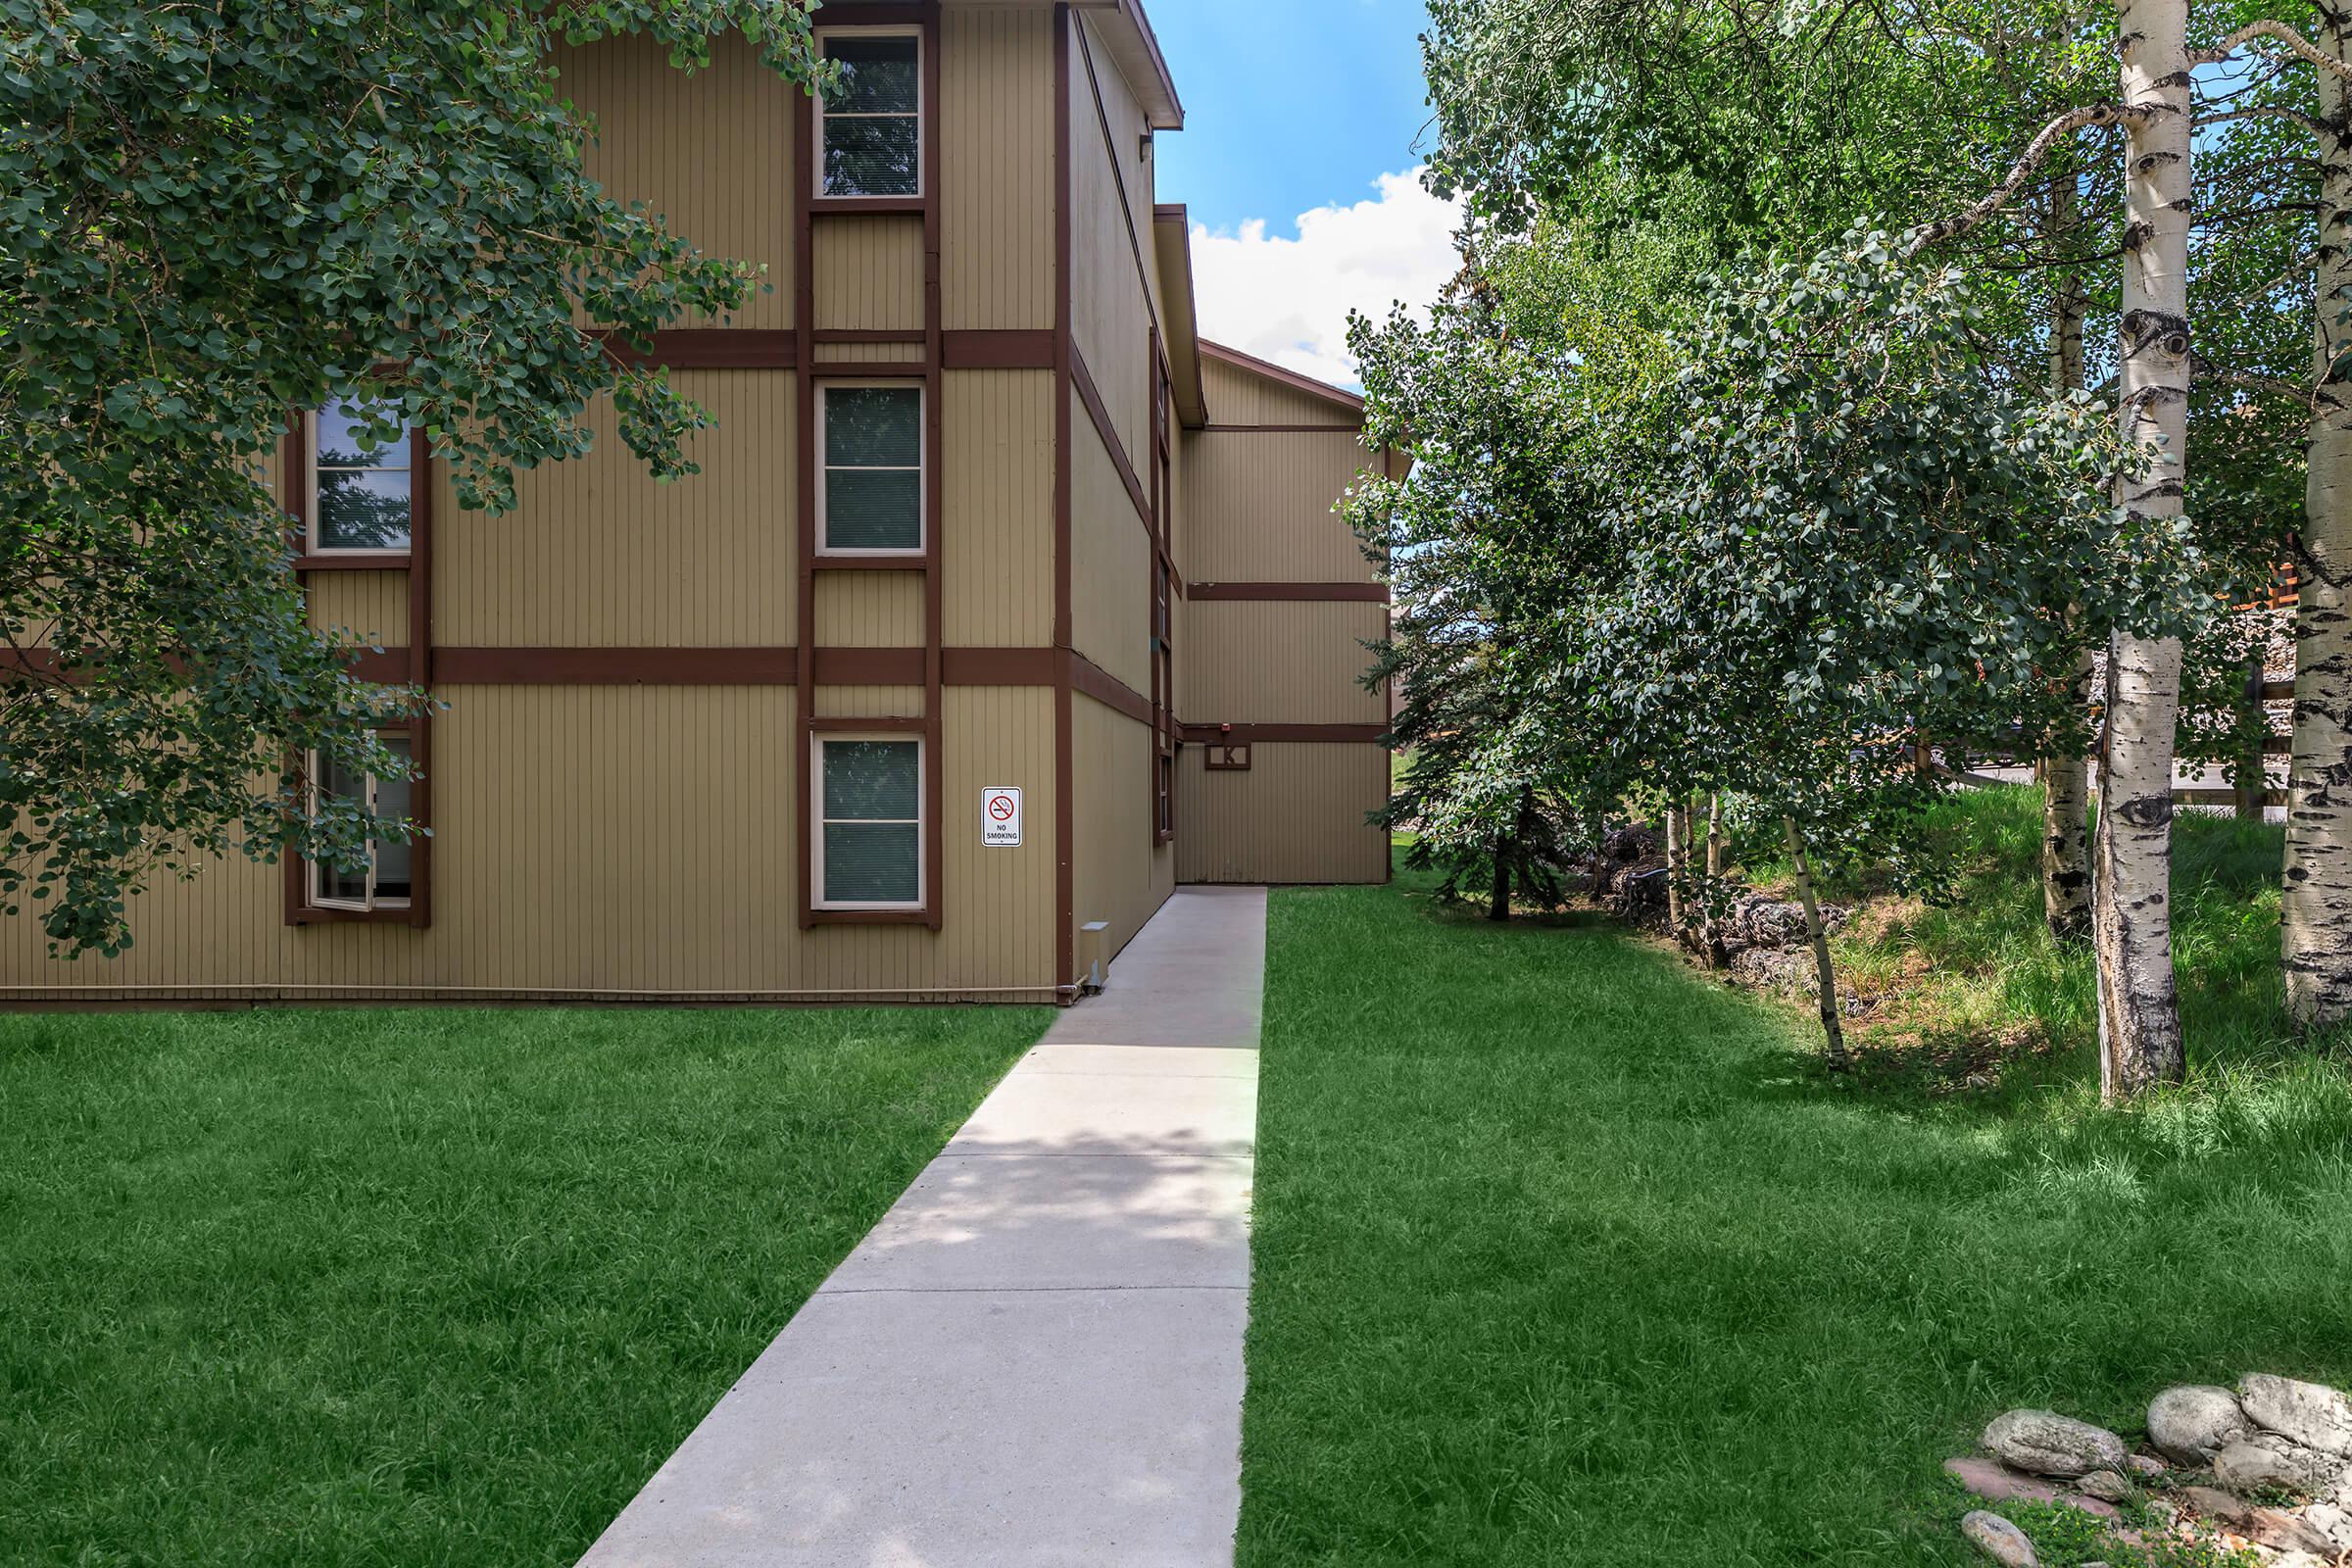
1832 1026
2316 916
2132 928
1716 955
2066 778
1678 862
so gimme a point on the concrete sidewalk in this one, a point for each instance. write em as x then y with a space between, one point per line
1035 1360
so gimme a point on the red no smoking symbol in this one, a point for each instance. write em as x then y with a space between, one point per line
1000 806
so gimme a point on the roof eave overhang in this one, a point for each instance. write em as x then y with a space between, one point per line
1172 245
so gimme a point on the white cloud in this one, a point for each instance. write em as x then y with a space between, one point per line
1287 299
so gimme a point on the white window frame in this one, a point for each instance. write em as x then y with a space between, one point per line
922 467
923 116
921 820
312 543
314 876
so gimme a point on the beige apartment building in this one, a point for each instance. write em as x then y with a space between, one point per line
1002 603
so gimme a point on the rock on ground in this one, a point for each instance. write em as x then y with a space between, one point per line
2108 1485
2310 1414
2194 1422
2266 1459
1998 1483
2047 1443
2000 1539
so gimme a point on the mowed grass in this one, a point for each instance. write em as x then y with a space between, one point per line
411 1287
1567 1256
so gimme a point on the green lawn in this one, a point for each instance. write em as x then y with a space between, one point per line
1567 1256
387 1287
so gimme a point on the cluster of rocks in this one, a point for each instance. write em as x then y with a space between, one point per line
2264 1467
1763 937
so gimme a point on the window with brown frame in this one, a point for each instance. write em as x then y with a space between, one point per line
870 125
384 879
361 489
866 831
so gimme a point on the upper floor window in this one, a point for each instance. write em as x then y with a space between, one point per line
383 879
361 490
870 125
871 498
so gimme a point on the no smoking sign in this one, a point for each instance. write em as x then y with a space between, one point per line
1000 817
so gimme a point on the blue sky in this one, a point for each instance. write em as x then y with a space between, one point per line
1301 123
1288 104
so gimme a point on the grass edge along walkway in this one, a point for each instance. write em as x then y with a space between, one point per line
1565 1255
420 1286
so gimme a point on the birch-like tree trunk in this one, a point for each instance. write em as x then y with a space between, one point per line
1832 1026
1717 956
2132 928
1677 863
2316 906
2066 776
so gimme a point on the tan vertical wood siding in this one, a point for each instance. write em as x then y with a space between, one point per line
711 152
1258 507
1250 662
1110 303
997 169
1116 861
1238 395
598 555
868 273
1298 815
617 839
1110 566
869 608
997 537
869 702
372 606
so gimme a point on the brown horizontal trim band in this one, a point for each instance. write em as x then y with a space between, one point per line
1090 679
353 561
713 348
1282 430
870 369
998 350
747 348
852 562
1301 593
1239 734
616 666
869 206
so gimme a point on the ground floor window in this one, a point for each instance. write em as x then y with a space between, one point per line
868 822
1165 816
383 879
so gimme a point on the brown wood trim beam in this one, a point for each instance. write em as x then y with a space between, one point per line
907 336
1089 680
873 369
352 561
852 561
1239 734
1008 349
1084 380
713 348
617 666
777 666
1294 593
1280 429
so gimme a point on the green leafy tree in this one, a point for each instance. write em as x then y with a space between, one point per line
211 214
